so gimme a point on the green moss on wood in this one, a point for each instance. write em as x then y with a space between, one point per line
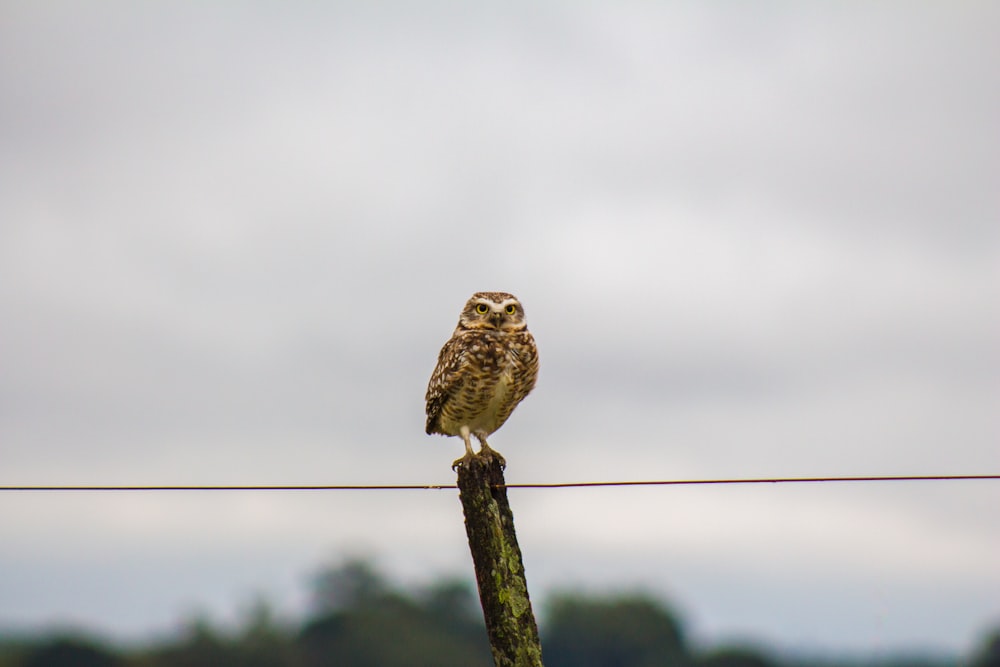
503 590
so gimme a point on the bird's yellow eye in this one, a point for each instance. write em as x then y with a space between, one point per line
482 309
511 309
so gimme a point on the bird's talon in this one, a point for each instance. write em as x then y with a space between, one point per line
465 460
488 453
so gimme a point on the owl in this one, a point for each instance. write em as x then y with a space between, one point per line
487 367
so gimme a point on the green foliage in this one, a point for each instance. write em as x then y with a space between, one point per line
353 585
988 653
361 620
628 631
734 657
199 646
70 652
397 633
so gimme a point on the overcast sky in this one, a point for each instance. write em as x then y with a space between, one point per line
751 240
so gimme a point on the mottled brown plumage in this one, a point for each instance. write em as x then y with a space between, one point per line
487 367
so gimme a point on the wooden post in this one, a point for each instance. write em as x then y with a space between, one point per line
503 591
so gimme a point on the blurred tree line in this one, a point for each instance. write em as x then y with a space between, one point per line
359 620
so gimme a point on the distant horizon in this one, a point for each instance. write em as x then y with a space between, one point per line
231 621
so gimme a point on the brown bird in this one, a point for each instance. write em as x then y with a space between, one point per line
487 367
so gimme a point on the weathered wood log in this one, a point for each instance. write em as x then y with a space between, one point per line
503 590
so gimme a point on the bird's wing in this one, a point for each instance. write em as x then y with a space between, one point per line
526 362
445 381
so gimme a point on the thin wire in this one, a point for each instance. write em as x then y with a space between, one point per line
547 485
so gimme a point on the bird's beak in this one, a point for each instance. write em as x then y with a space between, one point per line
498 318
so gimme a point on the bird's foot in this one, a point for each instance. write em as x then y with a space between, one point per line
464 461
486 452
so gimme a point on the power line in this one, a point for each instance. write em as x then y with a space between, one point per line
543 485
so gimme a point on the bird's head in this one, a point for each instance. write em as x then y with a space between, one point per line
496 311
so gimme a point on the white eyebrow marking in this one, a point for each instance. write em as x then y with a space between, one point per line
493 305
